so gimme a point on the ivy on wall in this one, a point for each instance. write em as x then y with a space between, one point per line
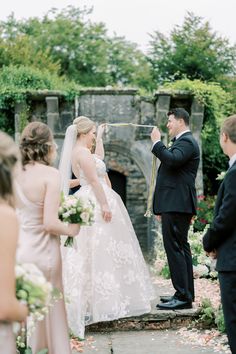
16 84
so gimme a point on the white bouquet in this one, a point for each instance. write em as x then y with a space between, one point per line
74 210
37 293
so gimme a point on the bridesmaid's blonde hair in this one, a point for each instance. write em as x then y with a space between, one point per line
36 143
83 125
9 155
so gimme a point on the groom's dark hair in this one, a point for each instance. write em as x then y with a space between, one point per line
180 113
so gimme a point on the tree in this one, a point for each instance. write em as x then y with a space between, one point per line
82 50
192 50
19 49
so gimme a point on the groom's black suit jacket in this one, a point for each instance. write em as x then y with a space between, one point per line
175 184
222 233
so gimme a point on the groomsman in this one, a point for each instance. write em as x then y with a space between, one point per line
175 201
220 239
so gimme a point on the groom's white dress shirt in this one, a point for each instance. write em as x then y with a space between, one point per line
232 160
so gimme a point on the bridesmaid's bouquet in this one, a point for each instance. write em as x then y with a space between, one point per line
37 293
76 210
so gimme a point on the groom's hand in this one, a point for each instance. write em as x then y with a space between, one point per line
100 131
155 134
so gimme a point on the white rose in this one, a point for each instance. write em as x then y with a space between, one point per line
85 217
66 214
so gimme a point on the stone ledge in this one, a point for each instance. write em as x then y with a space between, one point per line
156 320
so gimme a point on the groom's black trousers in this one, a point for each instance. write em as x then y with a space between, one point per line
228 298
175 228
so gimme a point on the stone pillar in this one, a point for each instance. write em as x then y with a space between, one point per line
53 113
20 118
162 108
196 121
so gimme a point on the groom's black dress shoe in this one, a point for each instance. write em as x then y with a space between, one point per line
167 298
175 304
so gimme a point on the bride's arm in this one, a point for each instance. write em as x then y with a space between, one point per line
99 149
108 180
87 164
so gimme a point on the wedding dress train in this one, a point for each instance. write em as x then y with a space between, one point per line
105 275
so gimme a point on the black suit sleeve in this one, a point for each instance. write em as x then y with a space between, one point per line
225 219
177 156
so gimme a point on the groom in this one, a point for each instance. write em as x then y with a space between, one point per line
175 202
220 239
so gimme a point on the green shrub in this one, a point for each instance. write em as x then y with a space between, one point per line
219 320
207 313
211 317
205 212
17 82
165 272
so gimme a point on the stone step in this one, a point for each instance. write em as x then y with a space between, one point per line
155 320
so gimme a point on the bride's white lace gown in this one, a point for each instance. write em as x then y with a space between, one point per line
105 275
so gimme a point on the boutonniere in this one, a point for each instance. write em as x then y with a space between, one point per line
221 176
169 144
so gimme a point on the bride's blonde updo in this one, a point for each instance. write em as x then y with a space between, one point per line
83 125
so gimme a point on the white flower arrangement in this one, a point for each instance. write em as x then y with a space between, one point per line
74 210
203 266
33 289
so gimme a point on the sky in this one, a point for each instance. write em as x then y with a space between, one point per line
136 19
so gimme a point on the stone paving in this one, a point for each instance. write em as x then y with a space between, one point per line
141 342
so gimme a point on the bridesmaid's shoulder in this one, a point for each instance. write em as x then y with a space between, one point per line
52 171
48 172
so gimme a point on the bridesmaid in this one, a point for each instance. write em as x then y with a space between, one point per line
10 308
38 199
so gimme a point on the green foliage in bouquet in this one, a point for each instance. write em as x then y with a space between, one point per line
33 289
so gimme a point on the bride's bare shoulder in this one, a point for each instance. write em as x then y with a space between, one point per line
80 151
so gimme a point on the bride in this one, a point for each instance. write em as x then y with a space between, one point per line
105 275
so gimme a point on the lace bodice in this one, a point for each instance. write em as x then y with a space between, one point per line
100 168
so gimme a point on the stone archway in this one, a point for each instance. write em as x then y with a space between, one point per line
122 164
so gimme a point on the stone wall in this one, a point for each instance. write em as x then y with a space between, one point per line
127 148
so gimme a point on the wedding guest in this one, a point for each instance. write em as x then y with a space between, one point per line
38 199
10 308
220 239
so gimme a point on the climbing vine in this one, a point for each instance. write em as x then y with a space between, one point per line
16 85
